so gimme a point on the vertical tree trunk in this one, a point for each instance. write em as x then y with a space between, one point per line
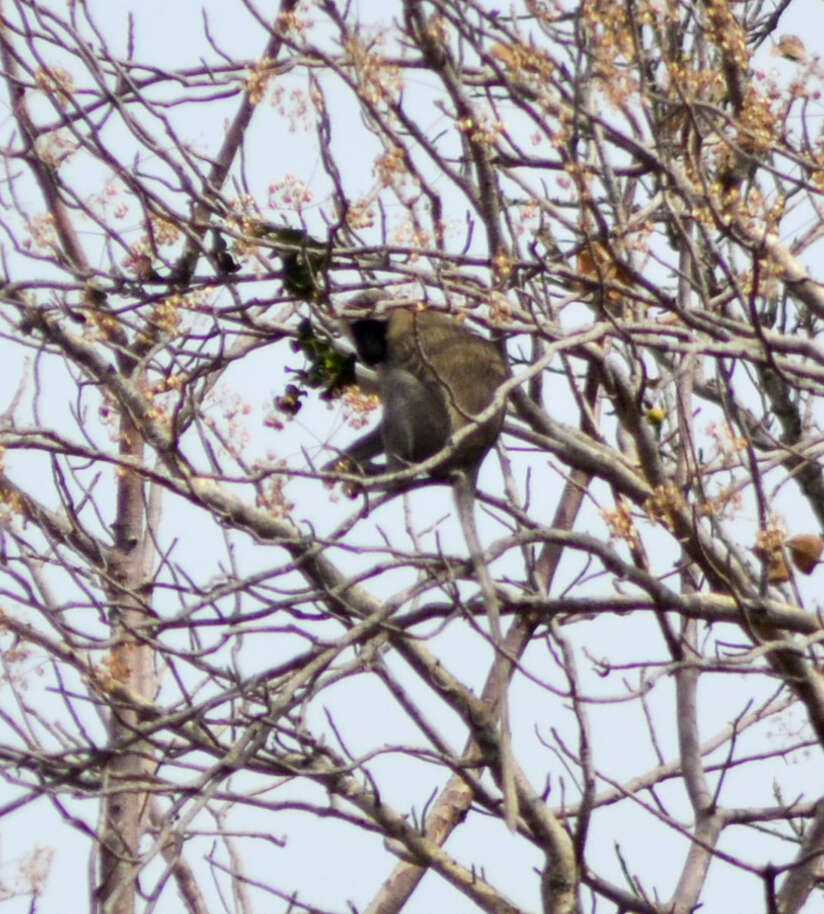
125 807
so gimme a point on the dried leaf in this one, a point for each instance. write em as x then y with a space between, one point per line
791 47
504 54
596 261
805 551
777 570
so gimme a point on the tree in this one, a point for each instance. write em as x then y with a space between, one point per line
231 684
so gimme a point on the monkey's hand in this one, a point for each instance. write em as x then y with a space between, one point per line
357 460
347 464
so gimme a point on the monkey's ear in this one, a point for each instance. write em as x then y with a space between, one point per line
369 335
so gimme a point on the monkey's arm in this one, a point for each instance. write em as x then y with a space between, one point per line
415 422
414 425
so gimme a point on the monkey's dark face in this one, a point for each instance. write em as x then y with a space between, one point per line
370 340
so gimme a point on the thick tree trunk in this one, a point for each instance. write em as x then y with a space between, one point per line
126 805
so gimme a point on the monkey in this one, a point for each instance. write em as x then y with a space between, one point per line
433 377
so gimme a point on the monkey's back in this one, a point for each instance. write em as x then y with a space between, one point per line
465 369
